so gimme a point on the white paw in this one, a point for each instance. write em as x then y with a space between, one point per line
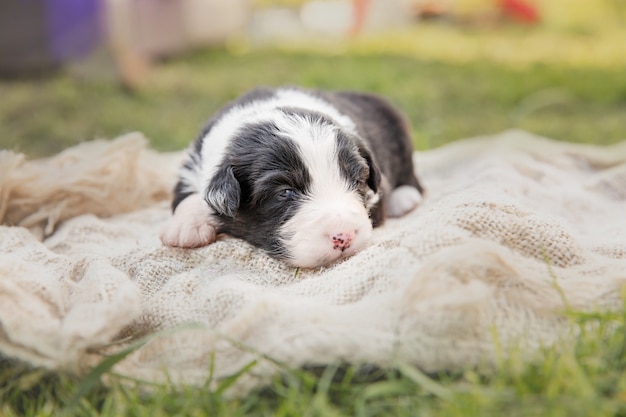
190 226
402 200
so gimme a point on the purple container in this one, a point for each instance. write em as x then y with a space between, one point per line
73 27
36 35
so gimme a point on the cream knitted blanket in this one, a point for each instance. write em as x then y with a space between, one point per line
515 230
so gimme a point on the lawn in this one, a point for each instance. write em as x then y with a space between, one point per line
445 100
561 95
585 379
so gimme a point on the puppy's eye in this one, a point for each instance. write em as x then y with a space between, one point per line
287 194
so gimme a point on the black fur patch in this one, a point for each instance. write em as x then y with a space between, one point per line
356 166
273 182
181 190
354 158
262 179
384 130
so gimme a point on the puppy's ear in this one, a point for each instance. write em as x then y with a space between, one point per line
373 181
224 192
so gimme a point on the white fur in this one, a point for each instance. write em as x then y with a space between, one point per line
217 139
191 225
309 233
402 200
191 176
331 208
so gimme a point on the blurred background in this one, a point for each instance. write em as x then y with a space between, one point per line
76 70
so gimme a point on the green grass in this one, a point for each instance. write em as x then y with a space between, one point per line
447 95
444 101
586 379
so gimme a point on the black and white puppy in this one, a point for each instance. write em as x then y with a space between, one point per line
302 174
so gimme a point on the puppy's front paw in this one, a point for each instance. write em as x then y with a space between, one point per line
190 226
402 200
187 234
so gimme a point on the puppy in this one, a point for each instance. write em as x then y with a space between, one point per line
302 174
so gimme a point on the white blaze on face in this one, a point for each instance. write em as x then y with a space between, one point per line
332 222
196 178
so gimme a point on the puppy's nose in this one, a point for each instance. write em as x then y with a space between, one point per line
342 240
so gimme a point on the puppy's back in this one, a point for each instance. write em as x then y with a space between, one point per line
385 130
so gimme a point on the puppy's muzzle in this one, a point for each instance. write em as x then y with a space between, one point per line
342 240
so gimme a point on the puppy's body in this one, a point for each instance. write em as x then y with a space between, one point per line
303 175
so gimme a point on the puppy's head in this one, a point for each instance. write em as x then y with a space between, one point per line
298 186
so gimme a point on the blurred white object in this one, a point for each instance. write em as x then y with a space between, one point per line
138 31
275 23
215 21
330 17
334 18
164 27
337 17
